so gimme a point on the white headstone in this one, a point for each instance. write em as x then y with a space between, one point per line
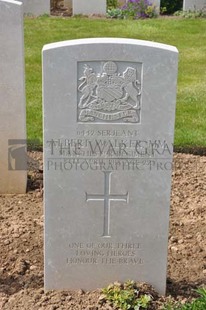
109 111
36 7
13 175
89 7
156 3
194 5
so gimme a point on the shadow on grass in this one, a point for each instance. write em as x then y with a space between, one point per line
196 150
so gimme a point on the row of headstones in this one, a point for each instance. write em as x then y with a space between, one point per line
109 111
39 7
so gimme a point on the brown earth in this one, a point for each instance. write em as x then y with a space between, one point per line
21 243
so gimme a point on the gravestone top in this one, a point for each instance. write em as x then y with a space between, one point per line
109 110
110 40
13 2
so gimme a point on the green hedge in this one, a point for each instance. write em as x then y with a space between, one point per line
171 5
111 4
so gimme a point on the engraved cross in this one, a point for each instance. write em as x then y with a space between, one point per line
107 197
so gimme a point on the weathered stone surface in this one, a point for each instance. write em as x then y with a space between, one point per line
193 5
13 175
68 4
157 4
36 7
89 7
109 109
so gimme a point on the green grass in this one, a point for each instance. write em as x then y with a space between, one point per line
188 35
131 295
197 304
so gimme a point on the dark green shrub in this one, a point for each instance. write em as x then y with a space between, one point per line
135 9
171 6
115 13
112 4
126 296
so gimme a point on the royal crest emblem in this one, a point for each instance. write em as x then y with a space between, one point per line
109 96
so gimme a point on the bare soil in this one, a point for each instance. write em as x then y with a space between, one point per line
21 243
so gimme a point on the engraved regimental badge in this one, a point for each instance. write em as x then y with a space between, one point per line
109 92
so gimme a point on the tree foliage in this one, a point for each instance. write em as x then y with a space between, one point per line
171 6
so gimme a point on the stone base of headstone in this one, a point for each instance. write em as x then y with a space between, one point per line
89 7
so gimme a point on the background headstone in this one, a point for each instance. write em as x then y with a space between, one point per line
109 110
194 5
157 4
36 7
13 175
89 7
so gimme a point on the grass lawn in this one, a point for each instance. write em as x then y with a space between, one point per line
188 35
